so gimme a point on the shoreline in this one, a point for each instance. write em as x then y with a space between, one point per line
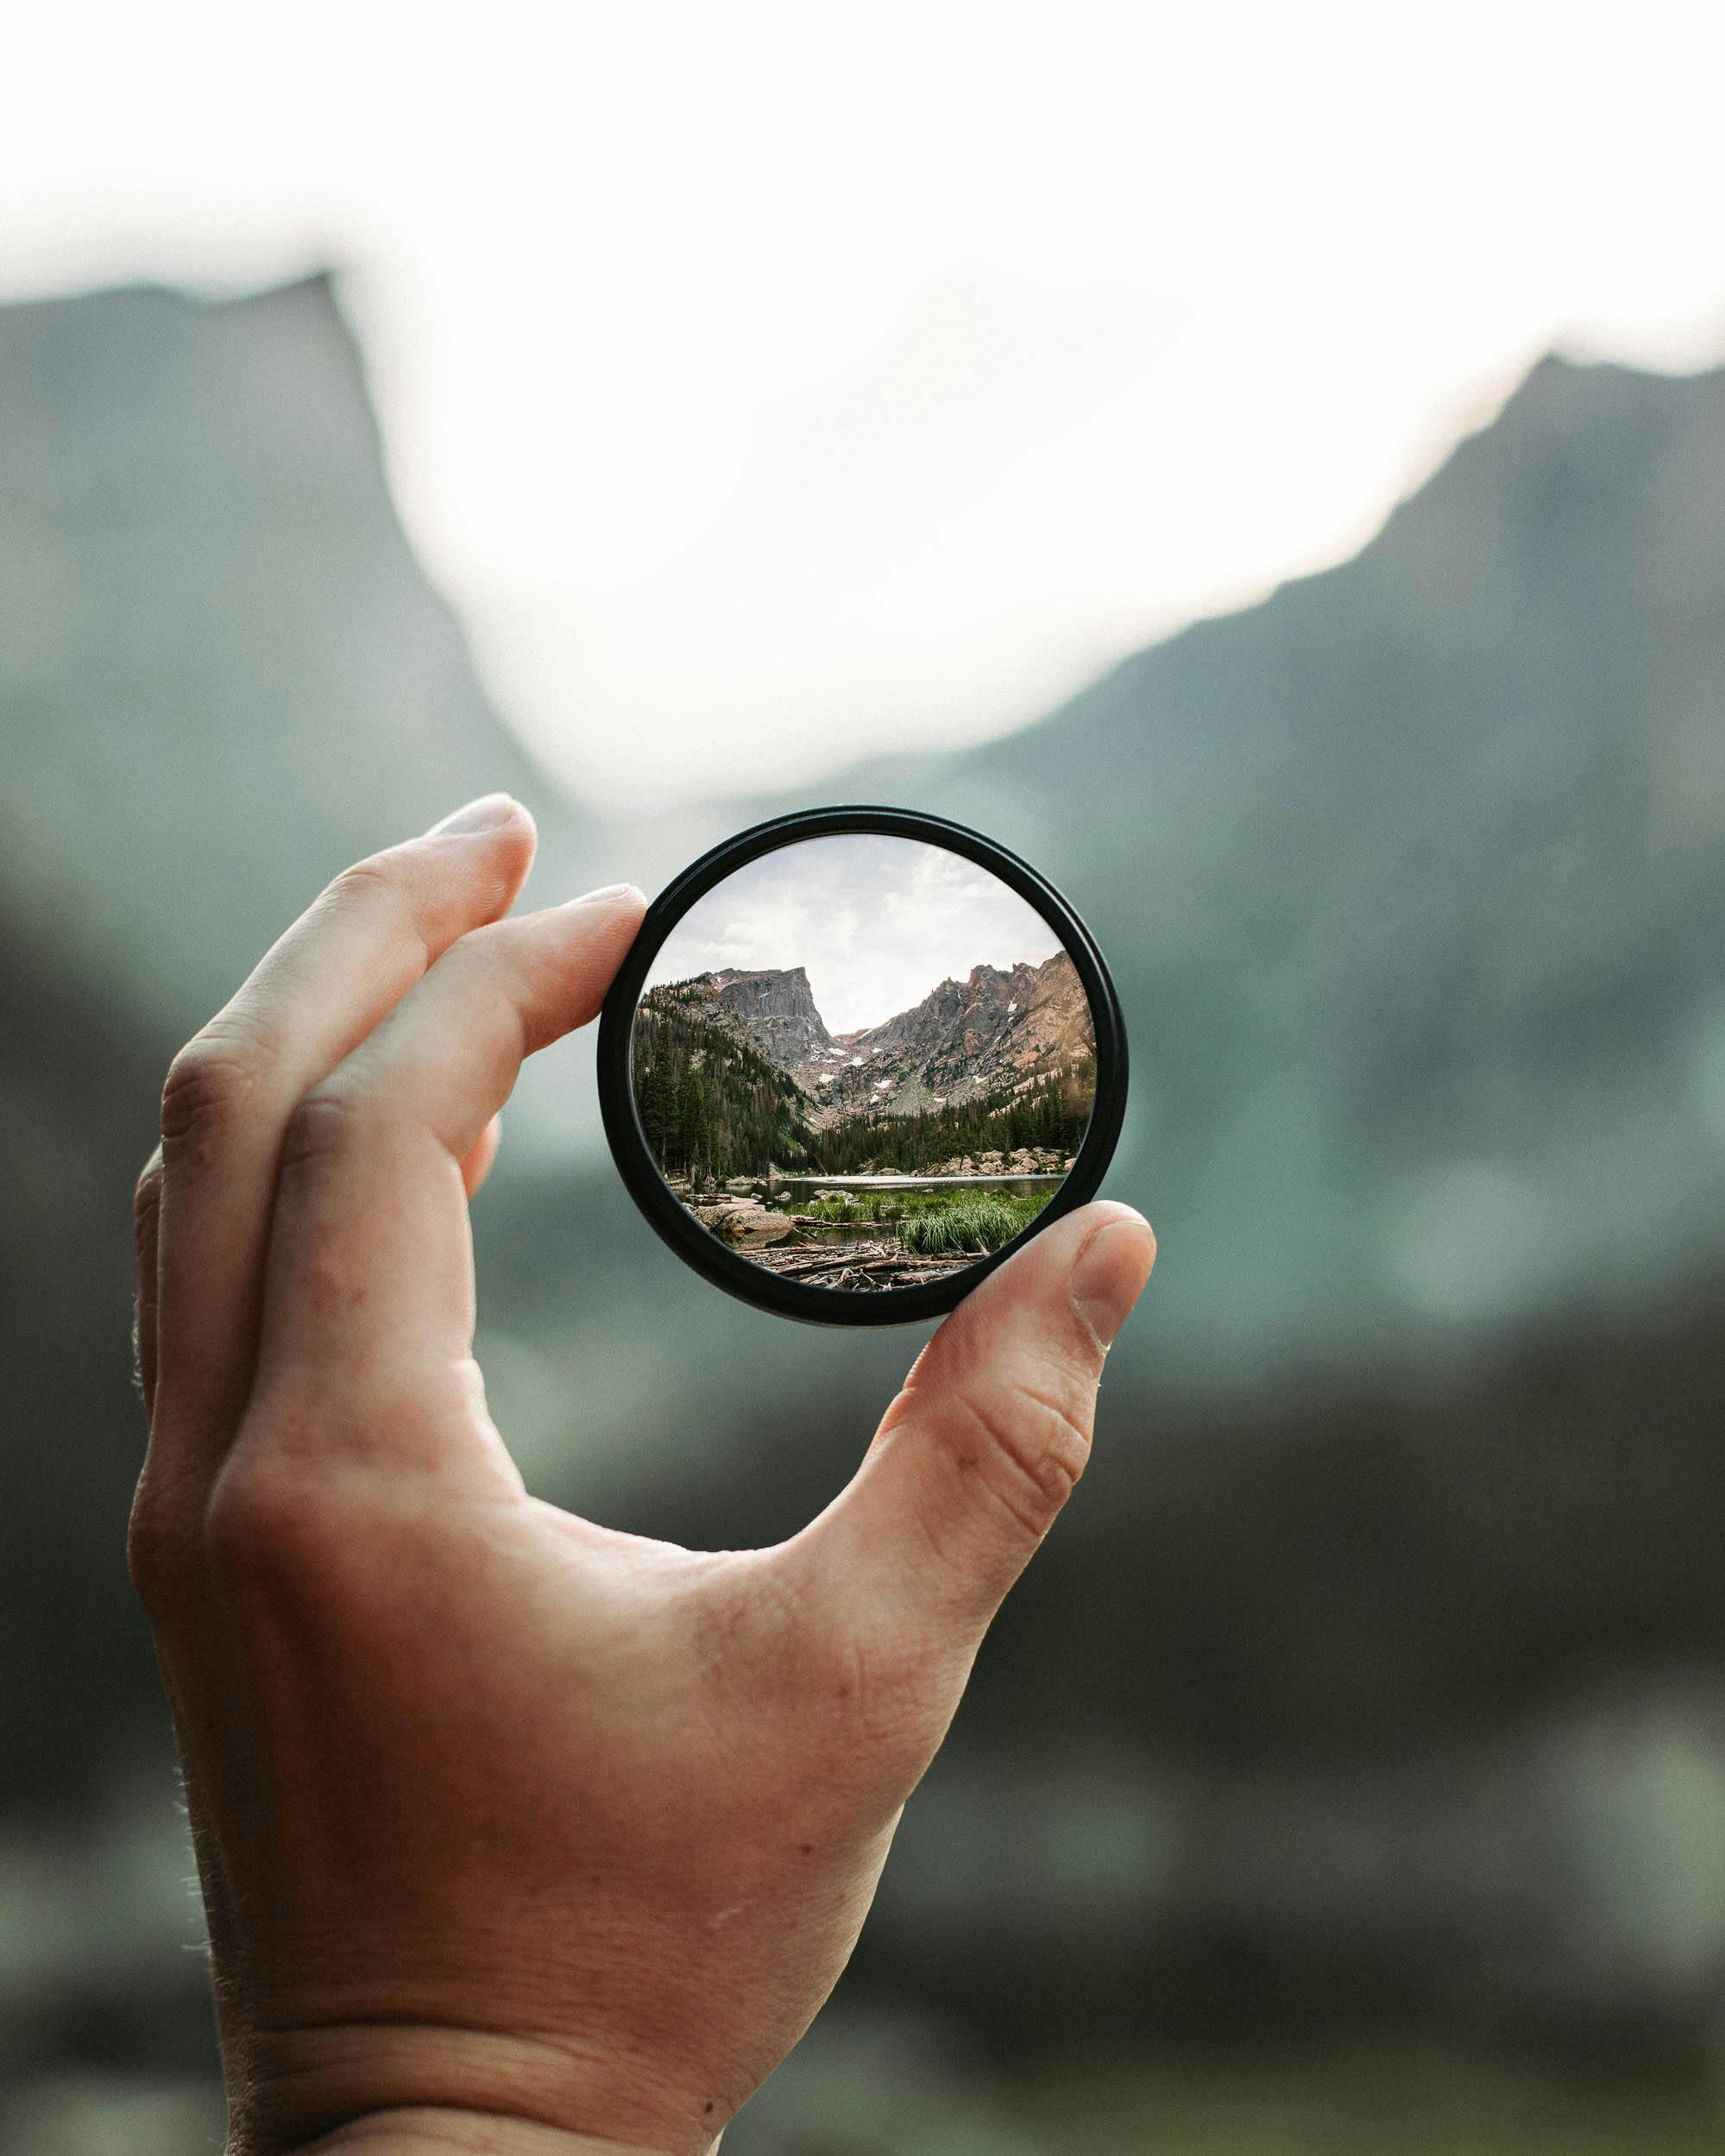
865 1253
874 1268
906 1182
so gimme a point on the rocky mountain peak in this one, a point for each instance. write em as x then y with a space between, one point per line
773 1007
997 1031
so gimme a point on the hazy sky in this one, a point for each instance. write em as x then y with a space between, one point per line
877 922
772 383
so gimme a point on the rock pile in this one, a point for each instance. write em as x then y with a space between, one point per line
1022 1160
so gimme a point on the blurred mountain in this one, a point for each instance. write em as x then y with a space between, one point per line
1373 1670
1413 881
223 673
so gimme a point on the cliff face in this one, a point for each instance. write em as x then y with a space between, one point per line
774 1010
993 1033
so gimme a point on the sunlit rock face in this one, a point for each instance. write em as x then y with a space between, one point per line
774 1010
993 1033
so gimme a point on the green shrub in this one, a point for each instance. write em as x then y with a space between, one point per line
857 1205
970 1221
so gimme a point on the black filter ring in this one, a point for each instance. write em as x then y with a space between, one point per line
704 1251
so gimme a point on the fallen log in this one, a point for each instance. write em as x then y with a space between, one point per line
887 1262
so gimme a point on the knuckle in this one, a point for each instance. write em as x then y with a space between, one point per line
384 887
497 962
856 1680
155 1557
208 1086
319 1131
377 880
146 1192
869 1713
1032 1447
259 1522
146 1202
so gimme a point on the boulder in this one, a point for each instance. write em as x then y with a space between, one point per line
746 1220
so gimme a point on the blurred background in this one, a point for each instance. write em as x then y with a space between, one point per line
1269 467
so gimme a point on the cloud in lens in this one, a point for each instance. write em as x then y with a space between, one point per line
877 922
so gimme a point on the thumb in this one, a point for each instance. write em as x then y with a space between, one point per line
981 1448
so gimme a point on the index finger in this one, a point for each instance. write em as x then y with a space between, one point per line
370 1294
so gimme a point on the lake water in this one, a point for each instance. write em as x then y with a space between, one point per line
842 1231
1008 1185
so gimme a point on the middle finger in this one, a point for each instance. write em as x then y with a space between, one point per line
342 967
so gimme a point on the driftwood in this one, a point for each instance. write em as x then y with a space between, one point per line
872 1271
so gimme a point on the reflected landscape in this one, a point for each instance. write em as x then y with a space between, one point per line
873 1155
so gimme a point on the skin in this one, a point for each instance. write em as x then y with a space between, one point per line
517 1834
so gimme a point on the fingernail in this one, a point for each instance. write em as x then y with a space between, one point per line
604 892
1108 1279
486 814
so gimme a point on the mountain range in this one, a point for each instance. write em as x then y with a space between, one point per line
1412 879
995 1033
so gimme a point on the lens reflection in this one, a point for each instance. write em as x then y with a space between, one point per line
863 1063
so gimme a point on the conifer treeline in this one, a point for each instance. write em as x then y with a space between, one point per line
1053 1112
711 1107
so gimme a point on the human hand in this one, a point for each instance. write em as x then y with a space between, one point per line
516 1832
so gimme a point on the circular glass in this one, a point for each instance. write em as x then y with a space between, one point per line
854 1058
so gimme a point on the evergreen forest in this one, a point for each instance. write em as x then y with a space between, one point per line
1054 1112
711 1108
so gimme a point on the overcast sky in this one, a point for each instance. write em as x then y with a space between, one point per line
876 923
772 383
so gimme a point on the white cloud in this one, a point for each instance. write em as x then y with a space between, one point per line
877 922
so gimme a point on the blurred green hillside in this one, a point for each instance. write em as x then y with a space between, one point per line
1371 1691
1413 879
223 675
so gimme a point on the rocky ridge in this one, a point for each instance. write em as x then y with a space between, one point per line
998 1031
774 1011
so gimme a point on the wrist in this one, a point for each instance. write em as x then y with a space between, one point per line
414 2088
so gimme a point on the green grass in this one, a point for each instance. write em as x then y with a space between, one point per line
857 1205
967 1222
935 1223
